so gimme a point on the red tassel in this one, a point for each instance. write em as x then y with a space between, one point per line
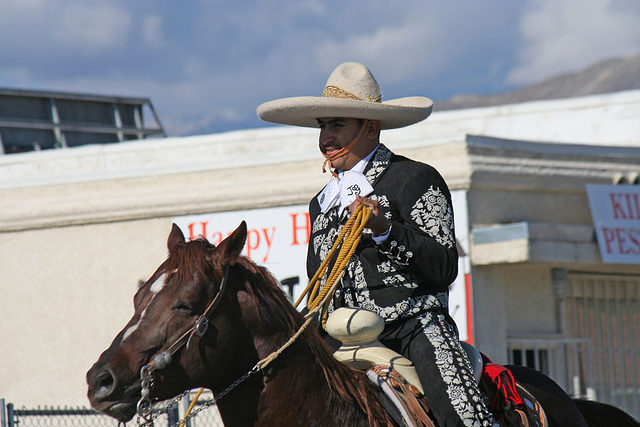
505 383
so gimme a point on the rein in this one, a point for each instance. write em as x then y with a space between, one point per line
319 298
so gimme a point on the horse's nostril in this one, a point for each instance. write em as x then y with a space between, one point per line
104 384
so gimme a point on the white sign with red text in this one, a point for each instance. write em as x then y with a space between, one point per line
277 238
616 217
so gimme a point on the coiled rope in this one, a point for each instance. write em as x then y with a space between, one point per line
320 295
346 242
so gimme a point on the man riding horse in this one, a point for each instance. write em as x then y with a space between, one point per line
407 258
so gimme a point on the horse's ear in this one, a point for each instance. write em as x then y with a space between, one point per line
232 245
175 237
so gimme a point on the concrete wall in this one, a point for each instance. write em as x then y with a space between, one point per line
66 292
72 253
512 300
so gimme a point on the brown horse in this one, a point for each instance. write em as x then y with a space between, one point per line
249 318
305 385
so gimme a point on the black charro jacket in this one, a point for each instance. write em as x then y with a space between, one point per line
409 274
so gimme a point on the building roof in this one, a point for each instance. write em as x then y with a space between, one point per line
527 145
41 120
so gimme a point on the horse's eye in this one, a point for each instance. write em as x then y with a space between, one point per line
185 307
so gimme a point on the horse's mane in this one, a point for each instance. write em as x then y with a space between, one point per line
264 287
190 257
275 307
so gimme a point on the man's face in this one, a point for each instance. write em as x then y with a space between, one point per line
337 133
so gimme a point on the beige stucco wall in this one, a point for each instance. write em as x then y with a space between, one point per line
66 292
512 300
544 196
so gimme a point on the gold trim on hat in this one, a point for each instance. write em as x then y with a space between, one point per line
336 92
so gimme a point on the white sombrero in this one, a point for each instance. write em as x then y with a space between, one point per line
352 92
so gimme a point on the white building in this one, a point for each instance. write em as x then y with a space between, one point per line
80 227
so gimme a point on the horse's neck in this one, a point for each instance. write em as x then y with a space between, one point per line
240 406
278 394
296 375
295 390
270 324
304 385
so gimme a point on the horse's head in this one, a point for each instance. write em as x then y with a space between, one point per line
166 307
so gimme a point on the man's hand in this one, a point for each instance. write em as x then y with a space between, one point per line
377 222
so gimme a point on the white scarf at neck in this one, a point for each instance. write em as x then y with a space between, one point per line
343 189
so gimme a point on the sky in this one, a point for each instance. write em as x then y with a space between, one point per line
207 65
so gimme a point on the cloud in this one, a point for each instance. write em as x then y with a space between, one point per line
568 35
152 32
91 28
62 26
206 65
385 48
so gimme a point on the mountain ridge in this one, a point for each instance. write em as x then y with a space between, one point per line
613 75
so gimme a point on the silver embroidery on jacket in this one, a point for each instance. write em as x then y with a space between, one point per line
434 216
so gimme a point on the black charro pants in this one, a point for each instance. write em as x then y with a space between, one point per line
431 343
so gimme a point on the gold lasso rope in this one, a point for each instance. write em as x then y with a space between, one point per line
347 241
193 403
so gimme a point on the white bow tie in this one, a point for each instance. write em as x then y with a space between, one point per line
343 190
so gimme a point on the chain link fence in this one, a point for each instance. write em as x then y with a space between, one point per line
10 416
55 417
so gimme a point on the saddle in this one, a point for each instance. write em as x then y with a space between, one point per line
357 329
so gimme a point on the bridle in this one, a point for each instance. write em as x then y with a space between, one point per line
163 359
201 325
